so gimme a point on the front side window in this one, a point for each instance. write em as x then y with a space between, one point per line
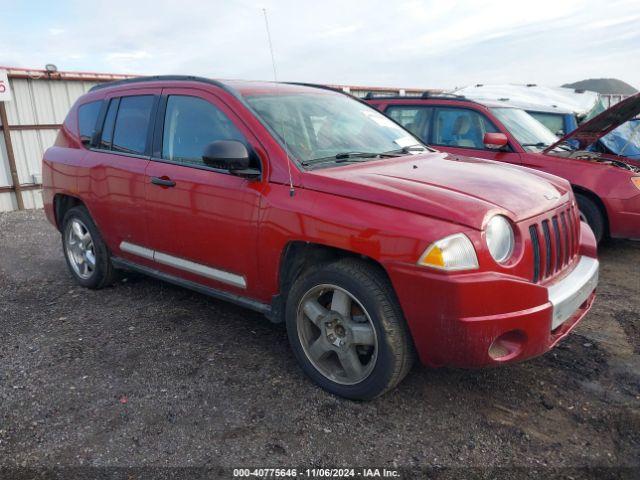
530 133
190 124
414 118
461 127
318 127
87 119
132 124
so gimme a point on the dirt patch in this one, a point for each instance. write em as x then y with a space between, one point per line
147 374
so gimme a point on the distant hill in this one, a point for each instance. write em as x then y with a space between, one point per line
604 85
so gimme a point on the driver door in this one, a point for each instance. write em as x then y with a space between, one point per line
202 221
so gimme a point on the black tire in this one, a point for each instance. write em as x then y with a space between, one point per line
103 273
592 214
372 289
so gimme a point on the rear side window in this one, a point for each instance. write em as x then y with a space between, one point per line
190 124
132 124
87 118
109 122
461 127
416 119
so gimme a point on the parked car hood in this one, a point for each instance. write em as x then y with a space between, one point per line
589 132
453 188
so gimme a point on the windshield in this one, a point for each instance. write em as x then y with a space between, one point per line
529 132
320 127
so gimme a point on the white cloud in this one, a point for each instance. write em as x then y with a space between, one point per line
411 43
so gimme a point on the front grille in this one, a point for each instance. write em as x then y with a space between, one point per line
555 242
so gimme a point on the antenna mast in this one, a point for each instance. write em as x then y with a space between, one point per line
275 79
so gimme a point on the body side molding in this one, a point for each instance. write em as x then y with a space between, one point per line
186 265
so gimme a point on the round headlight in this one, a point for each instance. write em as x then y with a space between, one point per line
500 239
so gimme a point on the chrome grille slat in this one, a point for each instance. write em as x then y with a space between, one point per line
554 241
567 246
558 243
535 243
547 248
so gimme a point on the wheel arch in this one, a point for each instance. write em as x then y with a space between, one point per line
297 256
62 203
597 201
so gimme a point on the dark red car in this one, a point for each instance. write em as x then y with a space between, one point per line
607 187
317 210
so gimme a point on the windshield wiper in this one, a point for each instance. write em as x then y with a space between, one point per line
539 144
406 150
343 157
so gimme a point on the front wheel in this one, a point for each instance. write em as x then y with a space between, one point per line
347 331
591 213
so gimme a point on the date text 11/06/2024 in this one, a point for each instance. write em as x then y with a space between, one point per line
316 472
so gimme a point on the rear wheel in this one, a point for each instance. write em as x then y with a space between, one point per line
591 213
86 254
347 331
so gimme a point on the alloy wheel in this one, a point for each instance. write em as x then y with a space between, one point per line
80 249
337 334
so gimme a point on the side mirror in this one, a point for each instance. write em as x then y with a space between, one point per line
495 141
230 155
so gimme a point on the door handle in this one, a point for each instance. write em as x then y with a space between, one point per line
163 181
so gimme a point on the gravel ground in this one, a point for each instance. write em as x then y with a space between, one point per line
147 374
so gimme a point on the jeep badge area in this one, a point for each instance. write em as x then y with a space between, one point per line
315 209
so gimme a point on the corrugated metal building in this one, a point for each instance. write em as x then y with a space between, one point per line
40 102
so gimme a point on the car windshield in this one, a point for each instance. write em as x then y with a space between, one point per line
529 132
323 129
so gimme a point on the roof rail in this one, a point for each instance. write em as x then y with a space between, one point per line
444 95
154 78
320 86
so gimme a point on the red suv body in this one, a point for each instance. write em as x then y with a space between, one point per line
244 191
607 186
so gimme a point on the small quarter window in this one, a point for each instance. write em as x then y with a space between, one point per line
87 118
132 124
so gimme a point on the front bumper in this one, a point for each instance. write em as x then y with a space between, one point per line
568 294
483 319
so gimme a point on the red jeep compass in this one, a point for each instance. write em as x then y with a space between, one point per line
314 208
607 187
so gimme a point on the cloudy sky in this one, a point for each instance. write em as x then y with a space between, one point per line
406 43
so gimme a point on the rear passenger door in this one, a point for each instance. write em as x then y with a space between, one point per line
203 225
115 183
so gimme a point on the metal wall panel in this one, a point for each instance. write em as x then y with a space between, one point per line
8 201
5 175
36 101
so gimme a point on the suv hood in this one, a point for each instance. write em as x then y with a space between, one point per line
589 132
448 187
